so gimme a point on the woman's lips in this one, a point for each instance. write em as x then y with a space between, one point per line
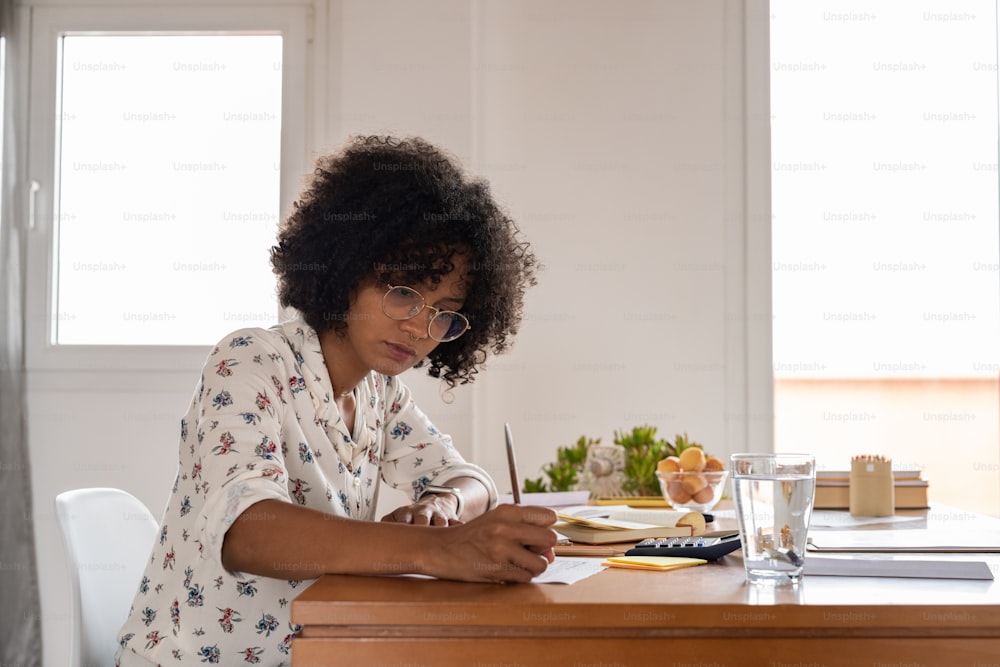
401 352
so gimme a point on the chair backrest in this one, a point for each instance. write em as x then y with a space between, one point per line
109 536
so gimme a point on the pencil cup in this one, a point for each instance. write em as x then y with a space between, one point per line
871 487
774 498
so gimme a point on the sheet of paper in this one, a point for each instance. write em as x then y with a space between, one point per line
842 519
568 570
552 499
887 567
592 511
913 541
836 518
602 523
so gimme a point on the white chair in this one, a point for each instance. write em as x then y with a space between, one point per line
108 534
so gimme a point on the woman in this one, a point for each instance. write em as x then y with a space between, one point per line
392 259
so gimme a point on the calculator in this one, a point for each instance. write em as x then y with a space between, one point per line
710 546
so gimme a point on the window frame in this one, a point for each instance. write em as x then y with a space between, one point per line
750 66
293 20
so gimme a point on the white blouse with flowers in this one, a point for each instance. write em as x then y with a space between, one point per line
263 424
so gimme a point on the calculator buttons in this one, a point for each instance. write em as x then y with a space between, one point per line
708 548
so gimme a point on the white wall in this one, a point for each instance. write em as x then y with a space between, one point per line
615 133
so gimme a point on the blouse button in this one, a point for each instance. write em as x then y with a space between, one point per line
357 481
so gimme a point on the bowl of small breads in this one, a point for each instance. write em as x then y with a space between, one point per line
692 480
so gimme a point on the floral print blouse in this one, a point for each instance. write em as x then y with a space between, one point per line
263 424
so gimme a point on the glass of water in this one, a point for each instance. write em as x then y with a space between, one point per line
774 500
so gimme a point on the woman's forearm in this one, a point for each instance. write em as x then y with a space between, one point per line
273 538
474 495
276 539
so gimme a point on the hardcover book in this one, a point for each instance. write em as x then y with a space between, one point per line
839 497
833 489
609 530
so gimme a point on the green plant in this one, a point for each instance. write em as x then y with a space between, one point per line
643 451
536 485
564 473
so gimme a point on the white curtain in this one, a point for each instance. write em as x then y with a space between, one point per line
20 616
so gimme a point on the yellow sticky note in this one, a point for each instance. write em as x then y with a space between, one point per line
653 562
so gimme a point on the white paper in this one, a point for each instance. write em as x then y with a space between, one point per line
592 511
657 517
640 515
912 541
835 519
569 570
550 499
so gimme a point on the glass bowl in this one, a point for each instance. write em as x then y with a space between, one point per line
677 489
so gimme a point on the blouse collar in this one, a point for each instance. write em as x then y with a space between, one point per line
311 367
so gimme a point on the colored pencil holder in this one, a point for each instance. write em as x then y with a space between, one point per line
871 487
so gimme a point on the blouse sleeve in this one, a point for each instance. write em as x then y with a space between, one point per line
239 410
416 453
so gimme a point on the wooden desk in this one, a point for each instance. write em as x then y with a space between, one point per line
705 616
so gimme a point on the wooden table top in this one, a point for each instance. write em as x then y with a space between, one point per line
711 595
631 617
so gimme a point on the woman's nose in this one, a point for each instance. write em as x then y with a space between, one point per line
416 326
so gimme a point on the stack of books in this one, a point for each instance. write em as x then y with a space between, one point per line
833 489
609 525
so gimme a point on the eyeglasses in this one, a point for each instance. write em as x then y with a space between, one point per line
404 303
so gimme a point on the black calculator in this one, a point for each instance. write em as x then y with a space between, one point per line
710 546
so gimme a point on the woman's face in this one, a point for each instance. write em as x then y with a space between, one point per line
390 346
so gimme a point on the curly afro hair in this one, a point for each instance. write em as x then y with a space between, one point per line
390 210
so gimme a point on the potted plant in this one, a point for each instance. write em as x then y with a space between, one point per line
643 451
564 473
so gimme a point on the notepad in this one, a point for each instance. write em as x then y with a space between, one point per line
659 563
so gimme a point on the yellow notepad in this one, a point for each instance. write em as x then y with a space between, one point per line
659 563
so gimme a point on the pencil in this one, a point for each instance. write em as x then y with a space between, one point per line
512 464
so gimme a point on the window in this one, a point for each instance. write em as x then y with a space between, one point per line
166 151
168 173
886 252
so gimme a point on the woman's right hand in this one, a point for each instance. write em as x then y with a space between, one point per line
511 543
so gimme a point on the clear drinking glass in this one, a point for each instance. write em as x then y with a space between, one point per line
774 500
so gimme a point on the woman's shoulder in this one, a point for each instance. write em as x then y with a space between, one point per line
257 342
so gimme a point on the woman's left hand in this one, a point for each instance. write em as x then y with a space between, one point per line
431 510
